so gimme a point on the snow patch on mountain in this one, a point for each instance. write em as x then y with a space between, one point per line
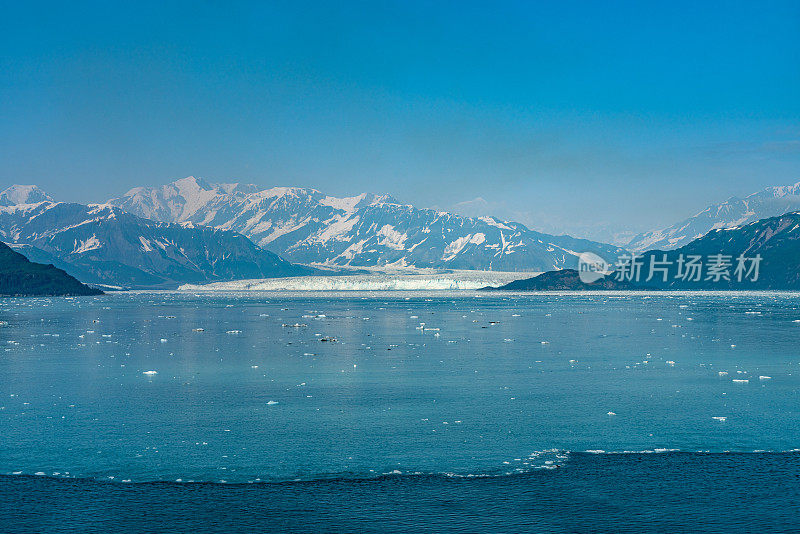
389 237
91 243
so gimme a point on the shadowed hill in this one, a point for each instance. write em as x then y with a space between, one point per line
20 277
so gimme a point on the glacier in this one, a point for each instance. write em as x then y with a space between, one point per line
399 280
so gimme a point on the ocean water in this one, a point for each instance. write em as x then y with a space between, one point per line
439 411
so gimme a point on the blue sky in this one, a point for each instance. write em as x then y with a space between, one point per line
557 113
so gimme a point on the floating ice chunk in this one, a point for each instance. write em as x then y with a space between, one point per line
272 403
719 418
150 373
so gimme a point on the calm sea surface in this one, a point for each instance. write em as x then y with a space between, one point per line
471 412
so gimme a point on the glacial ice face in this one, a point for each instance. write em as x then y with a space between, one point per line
454 280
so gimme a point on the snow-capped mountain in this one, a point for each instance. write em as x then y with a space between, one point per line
103 244
306 226
23 194
770 202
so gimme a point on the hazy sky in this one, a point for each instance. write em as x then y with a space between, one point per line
567 113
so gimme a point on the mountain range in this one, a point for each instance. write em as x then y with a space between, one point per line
307 226
103 244
190 231
770 202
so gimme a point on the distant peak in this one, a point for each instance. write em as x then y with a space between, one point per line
23 194
192 182
383 199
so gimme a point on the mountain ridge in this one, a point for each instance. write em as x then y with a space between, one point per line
306 226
